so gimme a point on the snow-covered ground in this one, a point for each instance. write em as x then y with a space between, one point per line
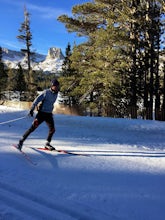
123 178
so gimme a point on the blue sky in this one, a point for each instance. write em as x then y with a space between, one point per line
46 30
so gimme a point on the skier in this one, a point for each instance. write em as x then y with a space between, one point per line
46 99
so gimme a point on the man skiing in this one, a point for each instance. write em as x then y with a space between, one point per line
46 99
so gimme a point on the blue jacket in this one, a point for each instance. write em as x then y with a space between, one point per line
47 99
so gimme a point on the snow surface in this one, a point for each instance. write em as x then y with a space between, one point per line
123 178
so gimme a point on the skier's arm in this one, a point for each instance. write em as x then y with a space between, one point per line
39 98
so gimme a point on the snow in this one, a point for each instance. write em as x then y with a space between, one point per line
51 63
123 177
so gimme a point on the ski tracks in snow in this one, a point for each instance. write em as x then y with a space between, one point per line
22 203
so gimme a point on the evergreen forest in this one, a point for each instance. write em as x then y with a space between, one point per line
120 69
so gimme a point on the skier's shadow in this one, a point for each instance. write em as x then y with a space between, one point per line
51 157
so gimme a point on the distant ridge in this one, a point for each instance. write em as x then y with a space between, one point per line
50 63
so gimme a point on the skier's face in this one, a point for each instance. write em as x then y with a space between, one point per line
54 89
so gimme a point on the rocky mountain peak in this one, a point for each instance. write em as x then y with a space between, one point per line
55 53
52 63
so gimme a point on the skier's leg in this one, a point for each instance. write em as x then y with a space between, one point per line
34 125
37 121
50 122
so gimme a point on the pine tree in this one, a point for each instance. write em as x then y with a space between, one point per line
26 38
67 78
66 67
97 61
20 80
11 79
163 94
3 74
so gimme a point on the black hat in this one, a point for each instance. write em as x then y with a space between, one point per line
55 82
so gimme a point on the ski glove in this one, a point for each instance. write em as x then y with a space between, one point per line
31 113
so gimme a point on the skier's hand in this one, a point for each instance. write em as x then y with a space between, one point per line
31 113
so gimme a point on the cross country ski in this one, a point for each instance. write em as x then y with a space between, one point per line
26 156
61 151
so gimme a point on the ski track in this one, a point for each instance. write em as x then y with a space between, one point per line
119 153
38 208
104 153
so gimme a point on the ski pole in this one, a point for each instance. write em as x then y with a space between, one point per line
16 119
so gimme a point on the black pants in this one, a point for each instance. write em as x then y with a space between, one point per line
41 117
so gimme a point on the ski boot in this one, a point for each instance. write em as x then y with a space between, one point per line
49 147
20 144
